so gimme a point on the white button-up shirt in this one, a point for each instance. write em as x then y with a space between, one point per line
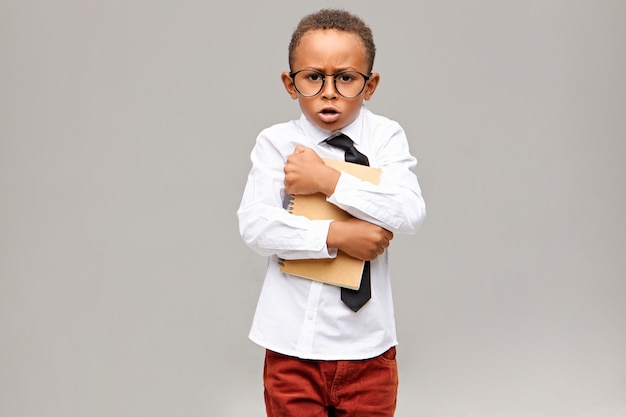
299 317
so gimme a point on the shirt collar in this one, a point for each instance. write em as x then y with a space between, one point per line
353 130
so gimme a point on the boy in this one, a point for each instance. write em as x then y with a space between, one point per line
324 357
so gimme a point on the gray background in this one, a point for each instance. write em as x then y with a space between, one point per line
125 130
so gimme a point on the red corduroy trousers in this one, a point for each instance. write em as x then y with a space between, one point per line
309 388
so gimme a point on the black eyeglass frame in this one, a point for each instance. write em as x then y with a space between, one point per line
293 77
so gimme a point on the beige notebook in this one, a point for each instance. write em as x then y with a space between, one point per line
344 270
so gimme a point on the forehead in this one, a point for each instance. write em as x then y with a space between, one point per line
330 49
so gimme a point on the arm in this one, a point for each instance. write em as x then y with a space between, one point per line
396 204
264 223
306 173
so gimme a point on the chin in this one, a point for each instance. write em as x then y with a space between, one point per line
336 125
332 127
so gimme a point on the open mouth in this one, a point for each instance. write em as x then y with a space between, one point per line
329 115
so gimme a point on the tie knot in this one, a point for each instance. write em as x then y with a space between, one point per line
340 141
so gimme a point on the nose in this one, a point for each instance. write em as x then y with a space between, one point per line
328 89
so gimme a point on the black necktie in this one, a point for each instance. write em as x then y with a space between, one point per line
355 299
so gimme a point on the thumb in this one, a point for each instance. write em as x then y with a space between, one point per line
300 149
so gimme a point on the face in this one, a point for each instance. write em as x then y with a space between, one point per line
329 52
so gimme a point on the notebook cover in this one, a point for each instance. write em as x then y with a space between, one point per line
344 270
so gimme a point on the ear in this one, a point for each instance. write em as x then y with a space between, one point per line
289 86
371 85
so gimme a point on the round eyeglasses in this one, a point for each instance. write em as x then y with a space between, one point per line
348 84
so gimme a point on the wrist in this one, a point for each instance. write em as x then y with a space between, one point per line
328 180
335 233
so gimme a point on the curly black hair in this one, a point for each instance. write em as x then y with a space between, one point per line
334 19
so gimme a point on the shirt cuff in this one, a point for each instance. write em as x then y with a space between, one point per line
345 184
316 238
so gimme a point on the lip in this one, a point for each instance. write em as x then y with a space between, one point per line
329 114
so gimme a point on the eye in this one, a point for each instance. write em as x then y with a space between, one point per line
314 76
346 77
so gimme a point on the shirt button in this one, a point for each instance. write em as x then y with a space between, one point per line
310 316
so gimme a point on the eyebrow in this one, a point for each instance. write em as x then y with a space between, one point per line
336 72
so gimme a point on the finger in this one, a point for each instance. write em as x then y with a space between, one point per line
299 149
379 251
288 189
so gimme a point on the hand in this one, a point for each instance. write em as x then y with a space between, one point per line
358 238
306 173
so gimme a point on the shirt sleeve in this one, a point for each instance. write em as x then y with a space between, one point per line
395 204
265 224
